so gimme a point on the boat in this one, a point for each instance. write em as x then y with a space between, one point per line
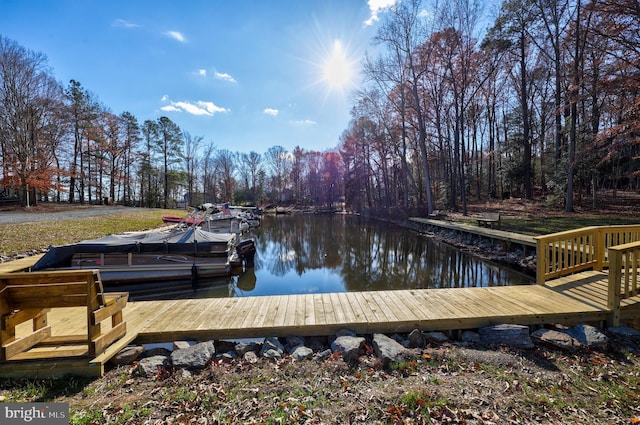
218 218
175 254
195 217
189 221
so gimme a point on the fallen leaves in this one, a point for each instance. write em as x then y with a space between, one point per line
446 385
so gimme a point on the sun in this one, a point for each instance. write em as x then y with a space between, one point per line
338 69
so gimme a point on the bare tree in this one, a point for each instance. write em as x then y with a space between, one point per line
192 163
208 174
279 164
27 94
225 166
403 31
170 149
132 138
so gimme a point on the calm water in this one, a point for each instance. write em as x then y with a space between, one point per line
304 254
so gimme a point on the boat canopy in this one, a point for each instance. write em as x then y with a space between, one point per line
192 240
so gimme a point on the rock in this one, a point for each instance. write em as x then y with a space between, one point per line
229 355
128 355
150 365
516 336
271 353
437 337
250 357
195 357
388 349
179 345
323 355
317 343
553 338
589 336
416 339
272 343
625 333
470 336
293 342
224 346
243 348
302 353
156 351
349 347
399 339
346 332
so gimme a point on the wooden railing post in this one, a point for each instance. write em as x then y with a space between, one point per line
613 294
542 260
623 277
599 242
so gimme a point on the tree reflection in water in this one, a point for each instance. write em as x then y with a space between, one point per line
337 253
304 254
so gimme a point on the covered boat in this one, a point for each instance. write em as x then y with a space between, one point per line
218 218
177 254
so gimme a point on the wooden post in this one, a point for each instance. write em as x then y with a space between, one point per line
615 276
598 236
542 257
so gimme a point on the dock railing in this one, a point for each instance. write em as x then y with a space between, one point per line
624 266
564 253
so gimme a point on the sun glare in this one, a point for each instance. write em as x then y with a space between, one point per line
338 69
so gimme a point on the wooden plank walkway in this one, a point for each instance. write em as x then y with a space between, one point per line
579 298
496 234
19 265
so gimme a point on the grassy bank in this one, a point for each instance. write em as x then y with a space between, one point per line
34 236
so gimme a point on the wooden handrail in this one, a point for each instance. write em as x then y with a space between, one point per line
563 253
29 296
624 266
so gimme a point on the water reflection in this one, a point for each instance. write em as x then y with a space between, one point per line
300 254
309 253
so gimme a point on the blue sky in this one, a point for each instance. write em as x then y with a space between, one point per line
245 75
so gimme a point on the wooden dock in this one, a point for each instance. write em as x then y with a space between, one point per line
585 296
581 298
483 232
23 264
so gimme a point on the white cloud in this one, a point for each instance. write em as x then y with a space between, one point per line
377 6
176 36
211 107
202 72
125 24
271 111
224 76
164 98
303 122
194 108
170 108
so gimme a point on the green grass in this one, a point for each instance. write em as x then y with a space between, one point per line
86 418
543 224
25 237
546 225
